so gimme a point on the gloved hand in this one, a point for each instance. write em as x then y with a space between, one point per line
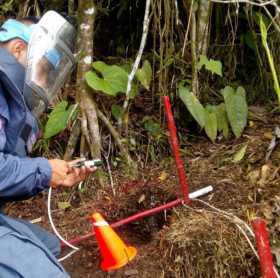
65 175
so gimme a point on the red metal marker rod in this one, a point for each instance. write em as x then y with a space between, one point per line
129 219
175 149
262 240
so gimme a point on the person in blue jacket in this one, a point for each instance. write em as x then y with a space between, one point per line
26 250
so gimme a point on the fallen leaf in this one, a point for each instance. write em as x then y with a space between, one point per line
265 173
239 155
142 198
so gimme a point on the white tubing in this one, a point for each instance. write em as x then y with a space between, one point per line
201 192
53 226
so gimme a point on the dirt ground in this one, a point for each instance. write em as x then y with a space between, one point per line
188 241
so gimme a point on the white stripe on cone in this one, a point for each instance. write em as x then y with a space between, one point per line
100 223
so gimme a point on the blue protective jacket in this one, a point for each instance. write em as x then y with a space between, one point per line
25 250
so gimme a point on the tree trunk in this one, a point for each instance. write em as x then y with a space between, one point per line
86 12
203 31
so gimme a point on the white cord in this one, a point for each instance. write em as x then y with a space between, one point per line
75 249
67 256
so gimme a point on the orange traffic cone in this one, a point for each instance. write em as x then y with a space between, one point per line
114 252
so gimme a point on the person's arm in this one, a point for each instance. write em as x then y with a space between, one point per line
23 177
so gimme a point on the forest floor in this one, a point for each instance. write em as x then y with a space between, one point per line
188 241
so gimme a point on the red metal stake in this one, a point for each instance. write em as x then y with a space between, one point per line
262 240
175 149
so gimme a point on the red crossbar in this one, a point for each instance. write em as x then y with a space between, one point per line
181 174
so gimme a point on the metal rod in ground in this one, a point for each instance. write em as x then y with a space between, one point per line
175 149
262 241
143 214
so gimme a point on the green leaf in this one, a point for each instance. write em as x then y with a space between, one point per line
222 120
211 126
203 60
239 155
250 40
134 90
144 75
57 119
236 108
193 105
116 111
113 79
152 127
263 30
63 205
214 66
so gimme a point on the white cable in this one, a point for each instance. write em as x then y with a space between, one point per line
54 228
67 256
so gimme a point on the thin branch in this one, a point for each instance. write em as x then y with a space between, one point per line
118 141
261 4
107 156
139 56
188 28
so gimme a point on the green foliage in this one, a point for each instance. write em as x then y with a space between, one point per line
249 40
222 120
64 205
113 78
216 118
213 66
7 6
211 125
116 111
144 75
236 108
152 127
193 105
269 56
58 119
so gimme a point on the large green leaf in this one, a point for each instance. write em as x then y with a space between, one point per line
236 108
144 75
113 79
57 119
193 105
211 126
214 66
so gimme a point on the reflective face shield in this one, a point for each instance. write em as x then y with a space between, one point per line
50 59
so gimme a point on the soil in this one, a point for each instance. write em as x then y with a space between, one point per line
246 188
